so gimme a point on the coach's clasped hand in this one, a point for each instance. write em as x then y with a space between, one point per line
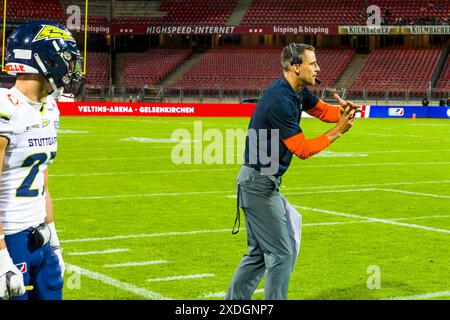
353 108
11 279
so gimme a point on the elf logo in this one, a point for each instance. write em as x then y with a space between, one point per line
396 112
22 267
15 67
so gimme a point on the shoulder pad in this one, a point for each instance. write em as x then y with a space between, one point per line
8 104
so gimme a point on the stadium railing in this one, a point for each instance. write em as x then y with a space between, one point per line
220 93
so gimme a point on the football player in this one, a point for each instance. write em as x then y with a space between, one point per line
46 61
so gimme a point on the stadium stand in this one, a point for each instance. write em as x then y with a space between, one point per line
217 12
228 69
419 12
19 10
152 66
180 12
397 69
253 68
311 12
24 10
97 68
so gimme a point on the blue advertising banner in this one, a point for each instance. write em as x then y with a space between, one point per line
408 112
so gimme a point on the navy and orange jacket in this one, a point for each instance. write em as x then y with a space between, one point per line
276 118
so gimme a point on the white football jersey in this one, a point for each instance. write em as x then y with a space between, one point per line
32 133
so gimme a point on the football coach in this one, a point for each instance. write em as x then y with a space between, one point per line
274 136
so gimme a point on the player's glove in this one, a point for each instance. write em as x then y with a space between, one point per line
54 242
11 279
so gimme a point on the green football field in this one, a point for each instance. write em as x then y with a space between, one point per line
134 225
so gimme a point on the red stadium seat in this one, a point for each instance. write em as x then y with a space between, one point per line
311 12
398 68
152 66
254 68
97 68
198 12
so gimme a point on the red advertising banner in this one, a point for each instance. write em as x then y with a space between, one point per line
301 29
224 30
154 109
86 108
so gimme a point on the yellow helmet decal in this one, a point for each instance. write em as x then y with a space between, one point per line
51 32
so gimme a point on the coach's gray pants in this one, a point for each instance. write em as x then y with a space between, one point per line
269 245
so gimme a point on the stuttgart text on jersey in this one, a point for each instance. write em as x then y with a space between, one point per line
40 142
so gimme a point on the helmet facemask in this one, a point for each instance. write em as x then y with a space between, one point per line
65 75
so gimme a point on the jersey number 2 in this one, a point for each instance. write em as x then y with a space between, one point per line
33 161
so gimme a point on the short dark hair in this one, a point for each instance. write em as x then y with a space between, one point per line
288 53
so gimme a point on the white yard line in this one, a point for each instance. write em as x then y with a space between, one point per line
372 221
86 253
428 124
319 192
400 151
112 159
189 276
355 216
370 184
430 195
148 235
168 156
423 296
222 294
137 172
135 264
284 191
383 164
415 297
116 283
175 194
379 164
416 193
331 191
151 235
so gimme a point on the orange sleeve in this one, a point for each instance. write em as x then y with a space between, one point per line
305 148
325 112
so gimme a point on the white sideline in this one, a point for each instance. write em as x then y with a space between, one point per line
189 276
97 252
378 164
222 294
355 216
135 264
150 235
116 283
422 296
417 193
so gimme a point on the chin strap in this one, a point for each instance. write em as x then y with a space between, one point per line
57 92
